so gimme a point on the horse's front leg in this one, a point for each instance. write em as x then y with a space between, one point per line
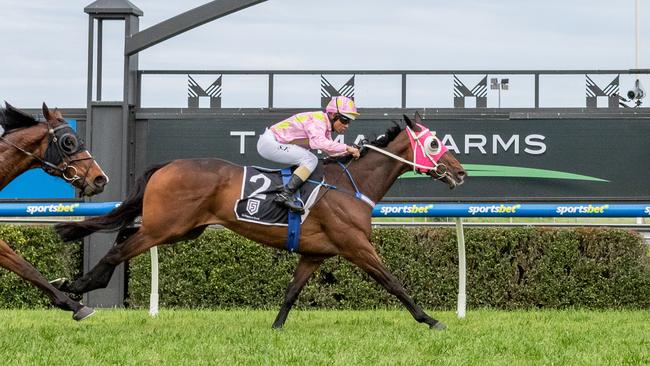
363 254
15 263
305 268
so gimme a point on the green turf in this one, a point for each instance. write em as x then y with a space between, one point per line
382 337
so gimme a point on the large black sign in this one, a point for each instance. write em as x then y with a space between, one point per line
516 160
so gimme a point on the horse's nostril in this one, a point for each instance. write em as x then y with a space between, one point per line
100 181
461 174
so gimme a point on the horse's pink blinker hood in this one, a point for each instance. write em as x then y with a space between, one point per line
419 144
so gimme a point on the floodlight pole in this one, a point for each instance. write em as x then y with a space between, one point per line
499 88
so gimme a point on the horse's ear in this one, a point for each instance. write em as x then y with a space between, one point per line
9 107
57 114
418 118
46 112
409 123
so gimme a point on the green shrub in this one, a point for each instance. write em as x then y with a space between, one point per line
507 269
44 250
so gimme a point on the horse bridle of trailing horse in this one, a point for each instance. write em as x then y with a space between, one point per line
62 144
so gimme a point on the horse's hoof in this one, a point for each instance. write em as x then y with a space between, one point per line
83 313
60 284
438 326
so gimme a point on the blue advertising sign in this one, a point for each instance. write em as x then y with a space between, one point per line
381 210
56 209
511 210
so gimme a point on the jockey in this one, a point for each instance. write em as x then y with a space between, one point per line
289 141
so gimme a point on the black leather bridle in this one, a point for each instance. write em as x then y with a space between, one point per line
63 143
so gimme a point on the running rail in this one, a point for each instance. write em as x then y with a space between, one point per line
381 210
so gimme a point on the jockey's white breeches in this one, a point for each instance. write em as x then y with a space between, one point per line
269 148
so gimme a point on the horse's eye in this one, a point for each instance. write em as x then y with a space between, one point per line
432 145
68 143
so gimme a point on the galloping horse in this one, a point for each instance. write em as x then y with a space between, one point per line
179 199
53 146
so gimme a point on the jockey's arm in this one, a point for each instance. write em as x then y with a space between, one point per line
318 140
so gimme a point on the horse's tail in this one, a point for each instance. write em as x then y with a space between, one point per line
118 219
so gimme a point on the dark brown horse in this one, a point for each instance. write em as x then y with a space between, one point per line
179 199
53 146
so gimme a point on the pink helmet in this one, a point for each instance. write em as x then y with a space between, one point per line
344 106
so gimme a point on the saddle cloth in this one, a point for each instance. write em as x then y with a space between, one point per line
259 189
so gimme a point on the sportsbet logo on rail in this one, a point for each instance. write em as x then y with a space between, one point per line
53 208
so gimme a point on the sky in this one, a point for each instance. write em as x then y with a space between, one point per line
44 47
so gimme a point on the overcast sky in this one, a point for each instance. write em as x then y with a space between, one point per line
44 41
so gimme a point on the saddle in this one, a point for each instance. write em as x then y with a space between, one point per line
258 191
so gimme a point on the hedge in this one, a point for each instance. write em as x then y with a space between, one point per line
507 269
42 248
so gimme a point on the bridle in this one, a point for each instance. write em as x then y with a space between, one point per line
62 145
436 170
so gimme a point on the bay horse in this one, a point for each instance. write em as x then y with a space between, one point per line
53 146
179 199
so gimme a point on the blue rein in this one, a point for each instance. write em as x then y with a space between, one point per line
357 193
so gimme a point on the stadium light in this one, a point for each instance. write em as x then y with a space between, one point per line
496 84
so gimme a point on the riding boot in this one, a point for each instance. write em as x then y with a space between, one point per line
285 197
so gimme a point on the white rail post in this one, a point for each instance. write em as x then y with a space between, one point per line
462 274
153 298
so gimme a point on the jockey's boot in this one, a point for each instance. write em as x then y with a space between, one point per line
285 197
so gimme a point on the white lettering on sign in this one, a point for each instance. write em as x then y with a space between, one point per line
242 139
532 144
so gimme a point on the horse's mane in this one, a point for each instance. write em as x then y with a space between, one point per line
388 136
12 118
381 141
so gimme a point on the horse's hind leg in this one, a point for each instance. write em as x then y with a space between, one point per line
13 262
368 260
100 271
305 268
132 244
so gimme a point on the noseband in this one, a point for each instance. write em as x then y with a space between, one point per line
62 144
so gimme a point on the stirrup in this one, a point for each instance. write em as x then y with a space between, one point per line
288 201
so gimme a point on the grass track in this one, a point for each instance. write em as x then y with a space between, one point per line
380 337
